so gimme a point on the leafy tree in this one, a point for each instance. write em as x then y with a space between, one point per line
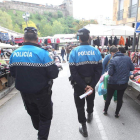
50 14
38 16
54 15
5 20
45 28
60 14
30 24
17 29
48 24
57 27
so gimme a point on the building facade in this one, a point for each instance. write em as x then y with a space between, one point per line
124 12
66 8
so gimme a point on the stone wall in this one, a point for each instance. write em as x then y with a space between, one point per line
126 20
30 9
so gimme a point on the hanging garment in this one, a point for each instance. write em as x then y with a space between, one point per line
57 40
129 41
115 42
110 41
106 41
95 42
45 42
49 40
122 42
52 40
126 44
102 41
98 41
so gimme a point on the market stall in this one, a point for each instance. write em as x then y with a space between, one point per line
6 80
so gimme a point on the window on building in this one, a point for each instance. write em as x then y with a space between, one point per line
121 2
134 2
133 8
120 10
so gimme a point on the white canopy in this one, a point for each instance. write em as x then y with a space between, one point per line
103 30
120 31
3 45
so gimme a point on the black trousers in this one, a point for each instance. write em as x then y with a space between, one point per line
39 107
80 103
120 92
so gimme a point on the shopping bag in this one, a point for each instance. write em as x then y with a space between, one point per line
96 87
101 89
106 81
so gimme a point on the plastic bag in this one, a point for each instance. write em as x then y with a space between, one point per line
101 89
96 87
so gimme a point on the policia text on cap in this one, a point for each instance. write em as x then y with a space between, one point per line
34 70
86 68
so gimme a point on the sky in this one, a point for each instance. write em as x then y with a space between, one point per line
87 9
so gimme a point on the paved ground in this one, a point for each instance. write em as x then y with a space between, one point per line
16 125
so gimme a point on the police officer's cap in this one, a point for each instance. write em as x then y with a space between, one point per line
83 31
30 30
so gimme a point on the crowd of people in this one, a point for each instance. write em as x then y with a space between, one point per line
37 71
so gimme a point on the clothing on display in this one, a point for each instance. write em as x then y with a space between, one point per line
110 41
106 41
102 41
122 42
115 42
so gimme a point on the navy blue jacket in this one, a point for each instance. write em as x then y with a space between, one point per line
63 52
119 69
32 67
105 63
85 61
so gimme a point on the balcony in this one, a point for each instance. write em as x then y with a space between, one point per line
120 15
132 11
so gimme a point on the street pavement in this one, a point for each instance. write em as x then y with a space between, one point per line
15 123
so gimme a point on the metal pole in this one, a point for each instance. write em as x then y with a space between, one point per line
138 42
134 39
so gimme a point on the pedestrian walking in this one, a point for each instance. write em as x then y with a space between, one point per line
34 70
105 64
68 50
119 72
86 68
63 52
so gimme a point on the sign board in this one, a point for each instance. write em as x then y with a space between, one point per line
137 29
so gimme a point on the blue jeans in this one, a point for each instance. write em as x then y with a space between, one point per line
63 58
68 56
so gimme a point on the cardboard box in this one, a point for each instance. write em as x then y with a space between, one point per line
2 83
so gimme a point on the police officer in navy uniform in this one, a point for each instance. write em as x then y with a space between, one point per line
34 70
85 64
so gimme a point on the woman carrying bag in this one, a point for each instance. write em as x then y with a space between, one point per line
105 68
119 72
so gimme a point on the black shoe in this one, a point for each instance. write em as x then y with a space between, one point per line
89 117
83 130
117 115
105 113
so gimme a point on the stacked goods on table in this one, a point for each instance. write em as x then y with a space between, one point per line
135 57
6 80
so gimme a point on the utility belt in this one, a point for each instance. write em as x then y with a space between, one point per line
87 80
47 89
50 83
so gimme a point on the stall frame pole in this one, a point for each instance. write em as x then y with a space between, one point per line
134 39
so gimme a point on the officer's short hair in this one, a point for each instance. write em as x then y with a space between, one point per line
30 34
113 49
83 34
122 50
